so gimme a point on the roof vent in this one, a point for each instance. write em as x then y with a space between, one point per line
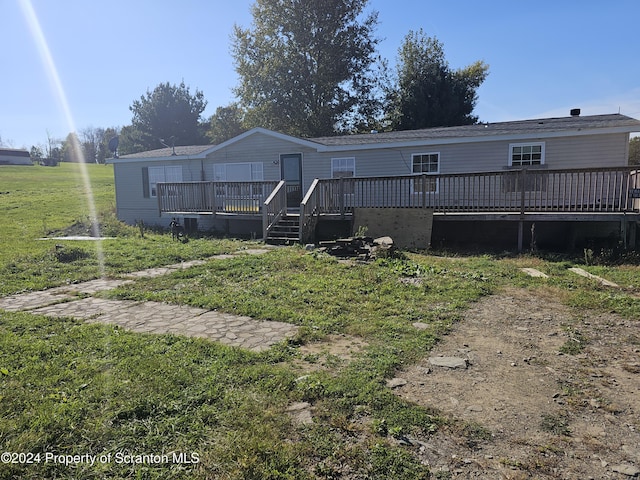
575 112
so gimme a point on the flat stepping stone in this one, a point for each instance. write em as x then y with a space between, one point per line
584 273
161 318
92 286
396 382
31 300
252 251
153 317
449 362
167 269
150 272
532 272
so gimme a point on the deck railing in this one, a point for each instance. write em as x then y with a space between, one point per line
533 190
274 208
614 189
213 197
309 212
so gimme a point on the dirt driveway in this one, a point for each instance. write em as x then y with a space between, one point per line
547 392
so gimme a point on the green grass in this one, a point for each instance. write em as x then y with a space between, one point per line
67 387
42 202
39 200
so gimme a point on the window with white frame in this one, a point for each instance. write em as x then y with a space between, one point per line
155 175
526 154
425 164
344 168
239 172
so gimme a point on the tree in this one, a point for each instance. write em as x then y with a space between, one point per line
91 140
226 123
428 93
168 114
71 149
53 150
634 151
130 141
305 67
36 154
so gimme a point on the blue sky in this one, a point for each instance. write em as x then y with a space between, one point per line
545 57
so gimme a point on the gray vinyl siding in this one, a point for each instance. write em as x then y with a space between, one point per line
263 149
588 151
560 153
130 200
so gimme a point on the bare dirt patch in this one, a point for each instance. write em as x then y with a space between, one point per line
332 351
548 392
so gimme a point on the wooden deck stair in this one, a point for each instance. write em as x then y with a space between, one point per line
285 232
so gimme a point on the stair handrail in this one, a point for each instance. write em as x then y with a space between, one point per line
275 206
308 209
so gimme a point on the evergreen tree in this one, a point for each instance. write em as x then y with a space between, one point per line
428 93
168 114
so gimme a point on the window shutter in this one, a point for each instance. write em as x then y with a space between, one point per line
145 182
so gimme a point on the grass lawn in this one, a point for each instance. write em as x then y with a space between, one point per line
209 411
51 201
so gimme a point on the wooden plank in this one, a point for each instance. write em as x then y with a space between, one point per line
532 272
584 273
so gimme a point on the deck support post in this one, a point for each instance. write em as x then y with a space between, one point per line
520 234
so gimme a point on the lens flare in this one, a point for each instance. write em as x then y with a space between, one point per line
60 95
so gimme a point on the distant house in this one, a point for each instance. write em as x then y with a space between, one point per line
10 156
518 170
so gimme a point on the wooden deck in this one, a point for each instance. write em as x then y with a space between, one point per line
597 194
214 198
534 194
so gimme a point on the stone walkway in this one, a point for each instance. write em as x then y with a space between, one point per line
152 317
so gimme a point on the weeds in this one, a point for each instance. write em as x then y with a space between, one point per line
556 424
575 344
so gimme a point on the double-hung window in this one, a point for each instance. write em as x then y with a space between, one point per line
526 154
344 168
425 164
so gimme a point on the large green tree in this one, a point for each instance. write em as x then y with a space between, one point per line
168 114
427 92
305 67
226 123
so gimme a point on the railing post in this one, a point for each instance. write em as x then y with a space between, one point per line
159 198
341 196
523 188
265 221
301 235
213 198
523 178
